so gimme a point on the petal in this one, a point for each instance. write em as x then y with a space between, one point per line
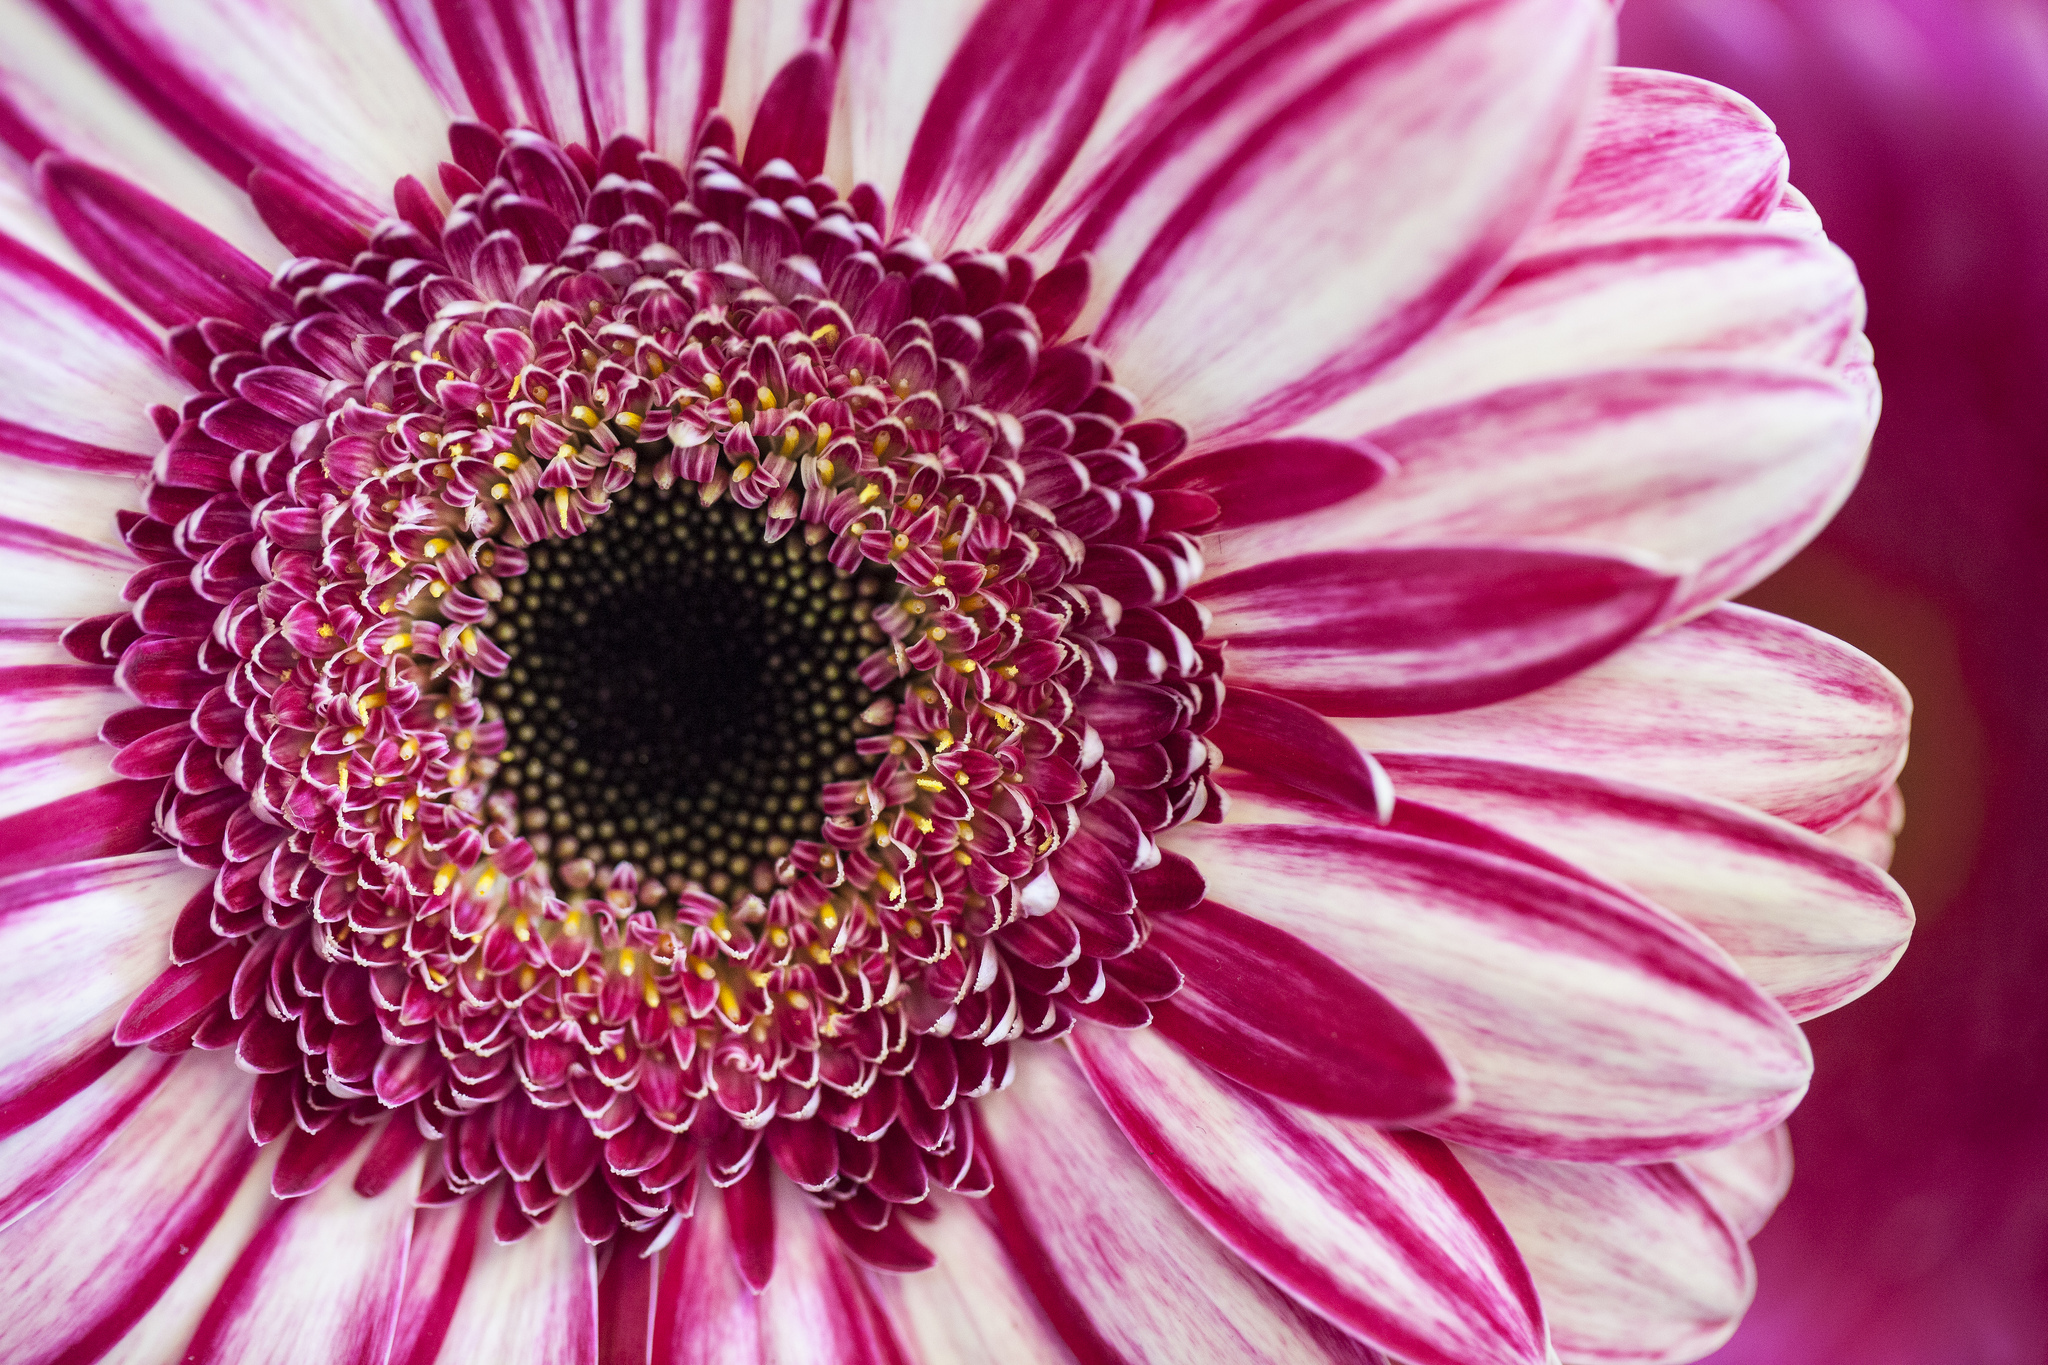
972 1307
821 1305
86 1265
1591 1027
762 41
443 1248
704 1314
114 917
104 822
510 64
1724 469
1737 704
653 69
318 1282
50 581
353 117
1118 1266
1736 291
1666 148
1307 216
1748 1179
1633 1263
1278 480
533 1302
49 1143
1265 1009
170 267
50 718
1814 926
913 41
1376 1231
1427 628
1870 832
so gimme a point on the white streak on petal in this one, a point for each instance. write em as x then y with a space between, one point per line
531 1303
971 1308
1748 1179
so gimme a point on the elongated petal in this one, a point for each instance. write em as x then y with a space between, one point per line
1811 924
1272 1013
1590 1026
1118 1266
914 42
1759 292
1746 1179
438 1259
1379 632
1376 1231
1737 704
507 65
703 1311
49 581
653 69
53 1136
1666 148
1300 223
533 1302
76 944
973 1306
1634 1264
763 39
104 822
1870 832
50 717
86 1264
319 1282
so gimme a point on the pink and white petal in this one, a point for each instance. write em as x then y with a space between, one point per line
41 1156
1748 1179
508 64
1406 630
443 1248
108 821
76 944
533 1302
1724 469
1810 924
1666 148
49 581
86 1265
971 1307
704 1313
320 1281
1387 173
1635 1265
50 718
1379 1232
62 100
1591 1026
1013 106
821 1305
1871 831
653 68
1119 1267
895 54
323 94
762 39
1739 290
1737 704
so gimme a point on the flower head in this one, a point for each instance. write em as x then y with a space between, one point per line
1112 615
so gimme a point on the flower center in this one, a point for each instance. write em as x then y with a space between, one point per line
678 689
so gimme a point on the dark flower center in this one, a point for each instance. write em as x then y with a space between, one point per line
679 689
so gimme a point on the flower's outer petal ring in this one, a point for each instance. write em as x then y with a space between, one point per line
444 1247
763 39
76 944
916 42
85 1266
1870 832
107 821
1722 468
1421 629
653 69
49 581
530 1302
1739 291
1737 704
319 1282
507 65
1121 1270
1812 925
354 115
42 1156
1381 180
972 1306
820 1305
171 268
1747 1179
1592 1027
1635 1265
50 718
1666 148
1376 1231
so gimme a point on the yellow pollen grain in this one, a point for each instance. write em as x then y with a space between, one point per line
586 415
827 335
729 1002
825 439
437 546
444 878
734 410
626 961
629 420
396 643
931 784
744 470
651 995
527 977
522 927
486 881
562 507
766 401
437 589
409 750
353 735
506 461
961 777
501 491
964 859
397 557
789 439
370 703
565 449
779 936
714 386
881 443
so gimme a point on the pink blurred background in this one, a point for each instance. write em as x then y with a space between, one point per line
1917 1228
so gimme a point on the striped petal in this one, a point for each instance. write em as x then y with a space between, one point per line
1738 704
319 1282
1814 926
112 917
1635 1265
1401 631
1302 220
50 718
1871 831
1592 1027
108 821
973 1306
55 1129
764 38
508 64
1747 1179
86 1265
49 581
1377 1231
443 1248
653 69
533 1302
1724 469
1120 1269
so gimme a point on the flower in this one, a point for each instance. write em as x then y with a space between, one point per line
658 684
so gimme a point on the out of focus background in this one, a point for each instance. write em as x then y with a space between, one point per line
1917 1228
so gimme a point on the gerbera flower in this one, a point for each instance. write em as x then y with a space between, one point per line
954 682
